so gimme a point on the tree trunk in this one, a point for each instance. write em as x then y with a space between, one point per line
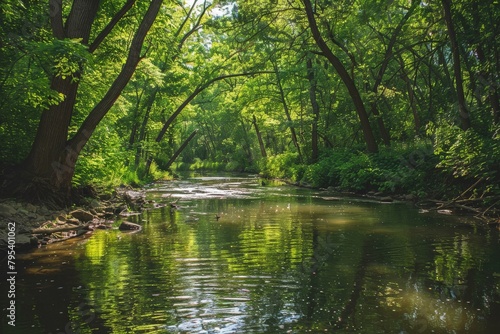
49 152
462 106
384 132
52 159
180 149
411 95
371 144
259 137
287 111
315 110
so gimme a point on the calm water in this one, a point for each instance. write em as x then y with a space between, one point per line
278 260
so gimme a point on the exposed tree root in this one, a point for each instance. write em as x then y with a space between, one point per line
36 190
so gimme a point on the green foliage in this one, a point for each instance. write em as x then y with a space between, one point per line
102 161
411 87
65 57
469 156
399 170
155 173
283 166
204 165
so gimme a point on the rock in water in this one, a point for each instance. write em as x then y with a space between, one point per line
128 226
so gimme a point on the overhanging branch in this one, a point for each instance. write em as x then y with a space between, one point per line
197 91
105 32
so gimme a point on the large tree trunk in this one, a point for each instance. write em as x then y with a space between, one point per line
52 159
48 149
371 144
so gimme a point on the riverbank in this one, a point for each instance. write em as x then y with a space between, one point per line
419 174
37 225
485 213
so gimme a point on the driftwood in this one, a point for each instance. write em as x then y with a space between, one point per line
473 206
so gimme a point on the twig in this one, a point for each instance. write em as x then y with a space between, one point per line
484 212
444 205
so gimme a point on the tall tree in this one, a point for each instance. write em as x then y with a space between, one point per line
49 168
339 67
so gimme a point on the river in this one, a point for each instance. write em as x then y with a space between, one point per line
240 256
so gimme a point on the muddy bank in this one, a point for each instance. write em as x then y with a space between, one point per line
35 225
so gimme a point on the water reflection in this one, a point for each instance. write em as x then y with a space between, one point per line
278 260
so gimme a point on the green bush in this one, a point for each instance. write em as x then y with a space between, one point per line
469 157
283 166
392 170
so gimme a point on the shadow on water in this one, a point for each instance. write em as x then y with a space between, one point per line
238 256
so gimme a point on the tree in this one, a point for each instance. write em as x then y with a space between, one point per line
49 168
457 67
315 109
370 141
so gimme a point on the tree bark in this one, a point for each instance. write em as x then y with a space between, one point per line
48 150
369 138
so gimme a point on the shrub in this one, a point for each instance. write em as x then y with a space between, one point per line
392 170
284 166
468 157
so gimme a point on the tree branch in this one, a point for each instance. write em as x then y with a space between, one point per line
105 32
197 91
100 110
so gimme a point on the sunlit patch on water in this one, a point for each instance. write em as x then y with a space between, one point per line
196 193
